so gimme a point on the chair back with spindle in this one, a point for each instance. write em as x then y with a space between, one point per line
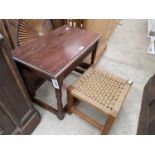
22 31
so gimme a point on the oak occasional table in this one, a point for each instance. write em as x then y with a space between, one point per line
56 55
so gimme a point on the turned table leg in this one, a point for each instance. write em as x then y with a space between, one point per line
93 55
60 112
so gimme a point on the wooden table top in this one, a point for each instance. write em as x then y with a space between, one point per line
54 52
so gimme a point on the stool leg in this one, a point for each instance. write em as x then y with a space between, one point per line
107 125
70 100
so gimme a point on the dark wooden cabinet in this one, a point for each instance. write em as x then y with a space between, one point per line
17 114
146 125
6 124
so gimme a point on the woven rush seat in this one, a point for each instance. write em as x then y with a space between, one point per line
102 90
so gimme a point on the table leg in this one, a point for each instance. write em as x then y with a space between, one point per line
60 112
93 55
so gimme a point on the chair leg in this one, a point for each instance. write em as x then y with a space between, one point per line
70 100
107 125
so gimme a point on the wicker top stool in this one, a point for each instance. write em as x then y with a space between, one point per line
100 89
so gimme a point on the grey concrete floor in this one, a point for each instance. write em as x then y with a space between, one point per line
126 57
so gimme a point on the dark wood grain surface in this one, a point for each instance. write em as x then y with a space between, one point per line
55 52
17 115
